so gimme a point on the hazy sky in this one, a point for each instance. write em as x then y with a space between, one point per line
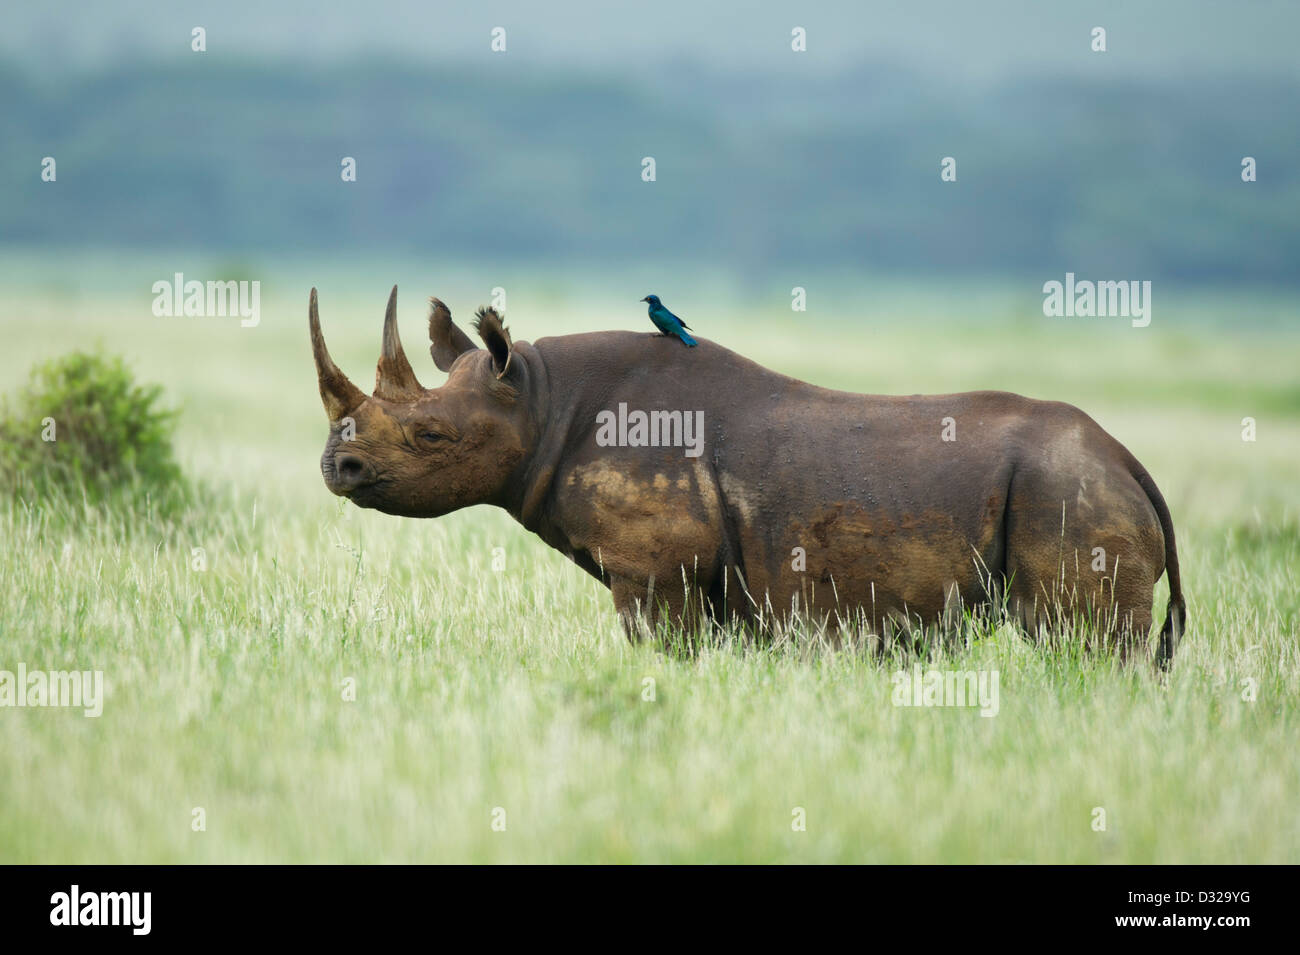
965 39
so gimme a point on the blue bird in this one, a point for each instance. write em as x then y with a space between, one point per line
667 322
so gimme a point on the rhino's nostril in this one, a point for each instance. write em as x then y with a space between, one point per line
351 469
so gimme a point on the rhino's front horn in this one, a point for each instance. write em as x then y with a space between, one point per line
337 393
394 378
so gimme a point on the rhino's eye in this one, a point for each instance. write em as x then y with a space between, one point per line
432 436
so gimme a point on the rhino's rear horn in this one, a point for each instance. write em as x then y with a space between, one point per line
394 378
337 393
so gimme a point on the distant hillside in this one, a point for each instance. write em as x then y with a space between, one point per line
1122 179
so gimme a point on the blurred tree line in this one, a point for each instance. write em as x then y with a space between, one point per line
1113 178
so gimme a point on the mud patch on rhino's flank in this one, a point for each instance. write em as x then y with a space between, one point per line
822 527
704 486
739 498
659 493
919 560
613 490
648 526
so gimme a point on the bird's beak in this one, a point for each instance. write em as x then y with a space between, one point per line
646 299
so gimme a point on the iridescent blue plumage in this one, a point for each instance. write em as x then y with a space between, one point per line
667 322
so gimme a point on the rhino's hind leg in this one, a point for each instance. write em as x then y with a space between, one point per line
1120 620
1087 565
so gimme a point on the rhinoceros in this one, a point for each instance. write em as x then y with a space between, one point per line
789 500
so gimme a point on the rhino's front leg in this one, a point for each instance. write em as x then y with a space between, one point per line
670 611
654 529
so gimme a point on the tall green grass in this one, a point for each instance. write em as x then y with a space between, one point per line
477 689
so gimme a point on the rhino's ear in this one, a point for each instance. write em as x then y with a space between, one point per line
493 332
448 341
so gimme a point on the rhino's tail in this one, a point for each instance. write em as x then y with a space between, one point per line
1176 616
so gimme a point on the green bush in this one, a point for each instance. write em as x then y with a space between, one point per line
112 437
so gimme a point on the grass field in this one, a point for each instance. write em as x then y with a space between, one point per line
477 689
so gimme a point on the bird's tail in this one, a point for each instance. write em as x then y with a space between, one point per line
690 342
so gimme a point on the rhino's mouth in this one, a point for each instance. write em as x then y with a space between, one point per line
367 495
